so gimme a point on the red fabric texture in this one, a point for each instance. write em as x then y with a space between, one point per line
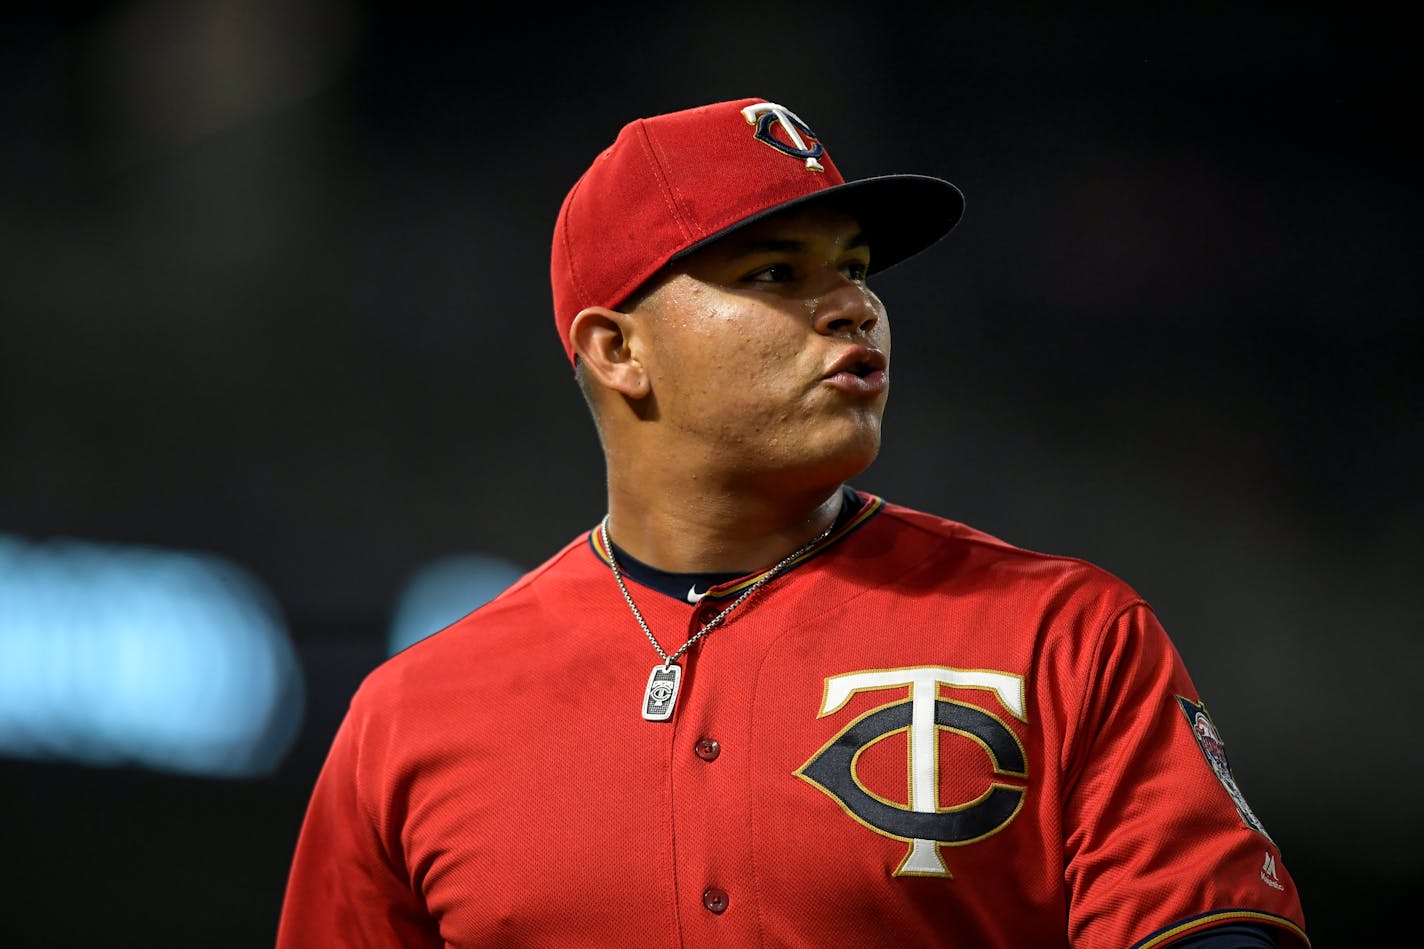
495 783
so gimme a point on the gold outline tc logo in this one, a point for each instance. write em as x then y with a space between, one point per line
924 824
763 114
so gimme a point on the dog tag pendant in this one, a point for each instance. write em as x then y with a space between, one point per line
661 693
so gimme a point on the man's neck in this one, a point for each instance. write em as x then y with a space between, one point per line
716 532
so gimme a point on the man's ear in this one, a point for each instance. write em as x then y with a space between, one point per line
603 340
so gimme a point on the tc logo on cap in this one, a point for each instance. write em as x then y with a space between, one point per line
764 114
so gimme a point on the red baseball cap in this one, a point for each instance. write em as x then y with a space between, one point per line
672 183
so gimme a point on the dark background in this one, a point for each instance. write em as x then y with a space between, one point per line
275 286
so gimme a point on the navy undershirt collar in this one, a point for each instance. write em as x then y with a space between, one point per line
686 587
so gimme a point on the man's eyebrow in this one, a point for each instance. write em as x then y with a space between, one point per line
773 245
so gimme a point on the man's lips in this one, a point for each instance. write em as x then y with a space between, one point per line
859 369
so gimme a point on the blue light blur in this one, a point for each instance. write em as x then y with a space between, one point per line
122 655
443 591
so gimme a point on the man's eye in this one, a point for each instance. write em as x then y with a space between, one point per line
857 270
776 273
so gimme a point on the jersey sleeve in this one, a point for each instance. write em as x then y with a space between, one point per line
1160 842
347 886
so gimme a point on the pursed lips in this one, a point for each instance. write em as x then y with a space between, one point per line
858 369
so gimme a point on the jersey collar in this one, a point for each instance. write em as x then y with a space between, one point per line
691 588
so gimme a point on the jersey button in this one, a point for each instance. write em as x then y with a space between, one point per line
715 900
708 749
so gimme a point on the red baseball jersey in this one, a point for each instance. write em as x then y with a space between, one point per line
917 735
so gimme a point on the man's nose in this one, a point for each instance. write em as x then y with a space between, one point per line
844 307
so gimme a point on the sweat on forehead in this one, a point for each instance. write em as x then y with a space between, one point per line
671 183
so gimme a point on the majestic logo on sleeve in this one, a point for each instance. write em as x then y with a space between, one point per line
1268 873
1209 740
768 117
924 821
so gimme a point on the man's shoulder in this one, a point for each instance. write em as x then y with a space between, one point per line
946 540
912 519
500 630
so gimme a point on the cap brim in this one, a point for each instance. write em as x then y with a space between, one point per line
901 215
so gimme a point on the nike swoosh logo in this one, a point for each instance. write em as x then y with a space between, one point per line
693 596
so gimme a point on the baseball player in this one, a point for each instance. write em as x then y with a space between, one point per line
756 705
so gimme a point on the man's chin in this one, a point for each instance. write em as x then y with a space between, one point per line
836 464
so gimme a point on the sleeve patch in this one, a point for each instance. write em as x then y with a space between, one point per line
1214 749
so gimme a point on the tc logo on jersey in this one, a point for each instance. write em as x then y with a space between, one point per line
767 117
924 821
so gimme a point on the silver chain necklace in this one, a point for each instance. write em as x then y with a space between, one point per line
660 696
